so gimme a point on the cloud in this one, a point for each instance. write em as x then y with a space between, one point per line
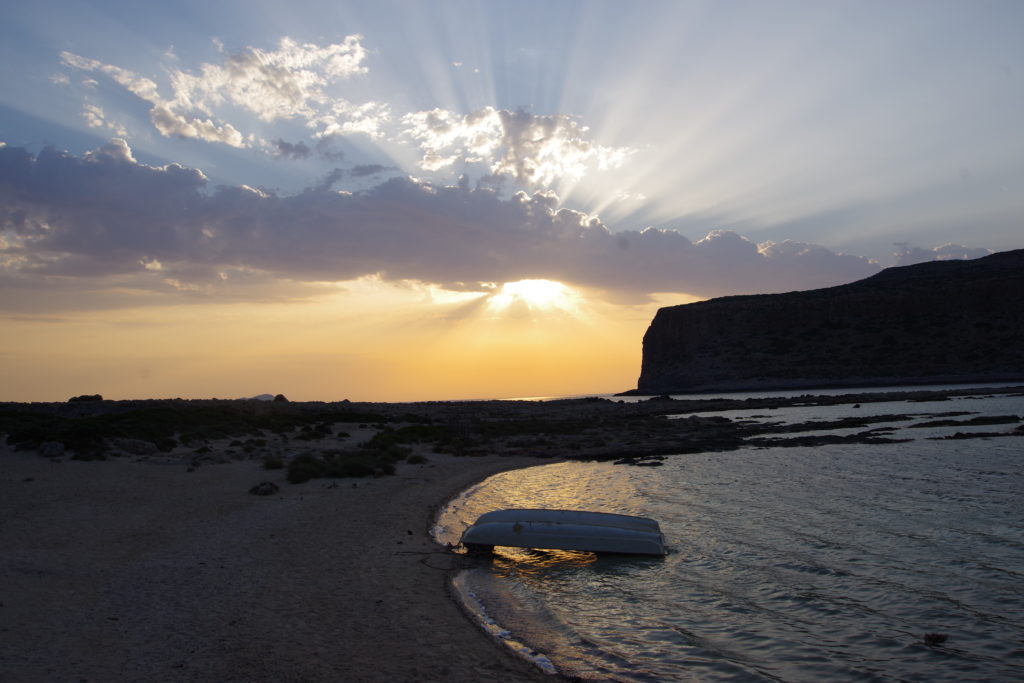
345 118
116 151
535 150
300 151
95 117
290 150
324 149
54 206
106 214
278 84
286 83
328 181
170 123
366 170
908 255
163 114
139 86
300 81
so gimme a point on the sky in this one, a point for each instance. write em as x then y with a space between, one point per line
395 201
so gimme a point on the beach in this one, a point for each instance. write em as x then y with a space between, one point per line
124 570
132 548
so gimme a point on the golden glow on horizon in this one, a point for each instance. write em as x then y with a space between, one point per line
365 339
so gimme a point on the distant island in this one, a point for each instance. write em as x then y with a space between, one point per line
936 322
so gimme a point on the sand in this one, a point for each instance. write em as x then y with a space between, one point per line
121 570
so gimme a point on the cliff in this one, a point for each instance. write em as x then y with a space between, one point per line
943 321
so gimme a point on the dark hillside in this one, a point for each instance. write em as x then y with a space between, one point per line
943 321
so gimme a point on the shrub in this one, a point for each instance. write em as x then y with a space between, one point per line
350 465
340 464
387 445
305 467
313 432
273 462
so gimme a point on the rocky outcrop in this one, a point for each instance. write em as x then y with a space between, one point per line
85 398
948 321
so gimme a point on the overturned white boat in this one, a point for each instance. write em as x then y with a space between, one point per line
597 532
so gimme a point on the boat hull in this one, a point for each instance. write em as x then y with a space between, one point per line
566 530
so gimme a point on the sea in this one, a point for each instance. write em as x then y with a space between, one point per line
852 562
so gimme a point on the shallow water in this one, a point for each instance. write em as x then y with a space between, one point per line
795 564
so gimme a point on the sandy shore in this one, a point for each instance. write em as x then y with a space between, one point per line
135 568
120 570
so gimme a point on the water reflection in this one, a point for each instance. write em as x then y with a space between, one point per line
523 562
528 563
598 487
825 563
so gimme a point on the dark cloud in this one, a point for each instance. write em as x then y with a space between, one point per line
328 181
291 151
325 150
93 215
365 170
297 151
104 214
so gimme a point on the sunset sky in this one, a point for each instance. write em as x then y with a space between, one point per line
444 200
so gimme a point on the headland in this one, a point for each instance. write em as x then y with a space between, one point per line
929 323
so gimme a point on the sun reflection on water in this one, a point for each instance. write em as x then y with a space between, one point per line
527 561
562 486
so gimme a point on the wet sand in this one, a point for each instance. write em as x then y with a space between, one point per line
121 570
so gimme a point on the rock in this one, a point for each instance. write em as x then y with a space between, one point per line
85 398
949 321
51 449
264 488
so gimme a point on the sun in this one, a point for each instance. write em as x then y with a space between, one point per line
534 295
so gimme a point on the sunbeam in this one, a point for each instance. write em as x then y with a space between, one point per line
512 173
535 296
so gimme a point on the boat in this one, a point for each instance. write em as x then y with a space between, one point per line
597 532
